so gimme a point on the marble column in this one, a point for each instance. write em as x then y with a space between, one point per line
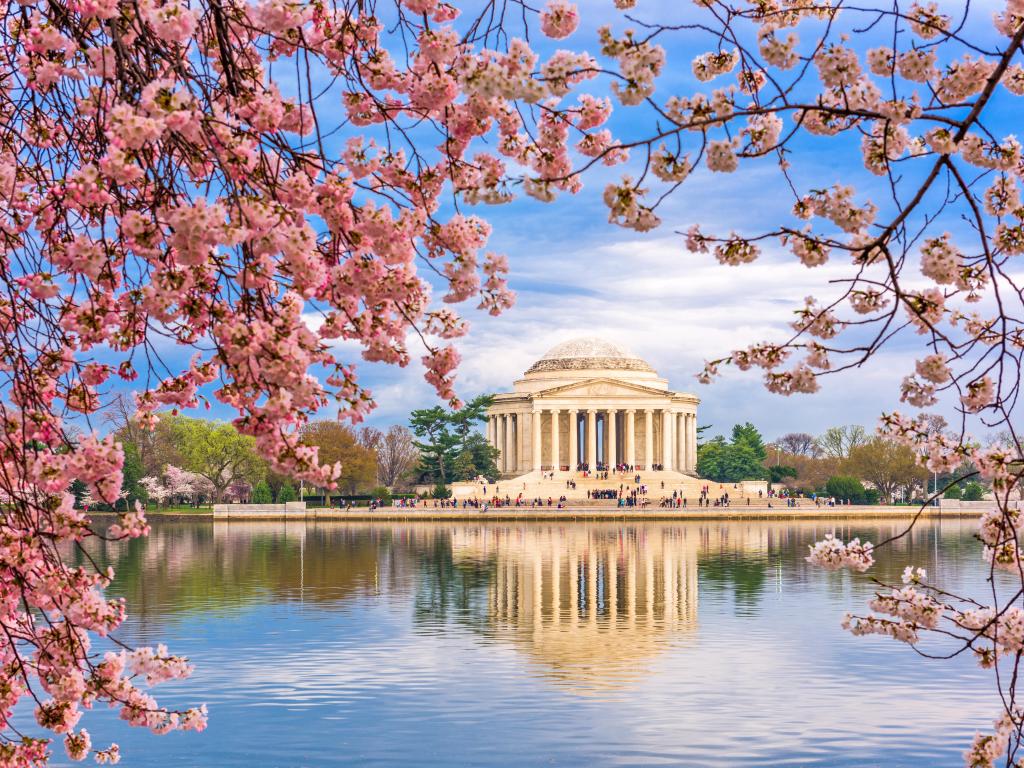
666 443
649 439
693 443
556 465
502 448
510 443
537 442
490 430
631 437
611 458
681 457
592 439
683 436
513 442
686 443
522 432
574 436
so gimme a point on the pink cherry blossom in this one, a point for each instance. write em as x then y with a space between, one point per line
559 19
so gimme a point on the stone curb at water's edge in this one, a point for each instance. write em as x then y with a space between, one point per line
391 514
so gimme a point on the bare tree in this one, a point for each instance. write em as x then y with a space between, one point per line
155 446
370 437
799 443
396 454
837 442
934 424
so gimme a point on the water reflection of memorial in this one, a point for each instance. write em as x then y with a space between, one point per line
590 605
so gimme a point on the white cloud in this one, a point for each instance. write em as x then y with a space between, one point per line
674 309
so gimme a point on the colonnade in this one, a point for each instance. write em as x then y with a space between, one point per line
503 433
563 438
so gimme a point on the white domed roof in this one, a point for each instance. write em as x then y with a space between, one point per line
589 352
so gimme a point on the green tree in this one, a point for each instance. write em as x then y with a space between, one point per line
287 493
843 487
437 445
261 493
78 489
973 491
450 446
476 458
463 466
133 471
383 493
730 462
747 434
779 472
217 451
441 491
953 492
465 420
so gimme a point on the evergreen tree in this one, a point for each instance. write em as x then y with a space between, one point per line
476 458
133 471
730 462
953 492
973 491
843 487
287 493
261 493
450 446
779 472
747 434
437 445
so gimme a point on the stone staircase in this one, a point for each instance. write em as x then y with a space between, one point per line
660 484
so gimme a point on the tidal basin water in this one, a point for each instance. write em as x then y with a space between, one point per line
536 644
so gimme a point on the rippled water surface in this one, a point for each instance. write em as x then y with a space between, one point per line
690 644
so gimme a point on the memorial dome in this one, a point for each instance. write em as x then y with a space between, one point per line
587 353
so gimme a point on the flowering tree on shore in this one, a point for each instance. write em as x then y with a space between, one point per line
254 182
179 485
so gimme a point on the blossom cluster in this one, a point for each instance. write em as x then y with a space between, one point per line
832 554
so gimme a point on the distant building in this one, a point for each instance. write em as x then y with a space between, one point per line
589 403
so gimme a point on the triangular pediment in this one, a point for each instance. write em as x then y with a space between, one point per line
601 387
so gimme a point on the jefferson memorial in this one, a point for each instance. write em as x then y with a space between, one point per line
590 404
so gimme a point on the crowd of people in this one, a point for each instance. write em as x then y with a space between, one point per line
634 495
625 496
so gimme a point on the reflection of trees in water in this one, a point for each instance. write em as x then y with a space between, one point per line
485 575
741 574
185 567
745 558
448 589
